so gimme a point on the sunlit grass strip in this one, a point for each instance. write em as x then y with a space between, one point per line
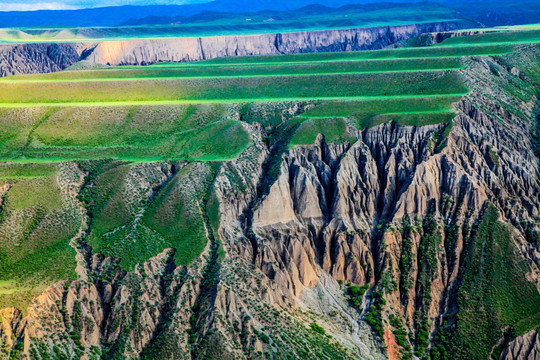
10 171
236 89
418 112
143 78
385 114
463 45
493 38
338 59
520 27
224 101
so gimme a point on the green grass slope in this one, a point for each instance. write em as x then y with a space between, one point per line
494 294
164 213
173 71
233 89
37 222
128 133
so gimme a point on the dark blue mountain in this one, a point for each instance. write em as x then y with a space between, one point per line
495 12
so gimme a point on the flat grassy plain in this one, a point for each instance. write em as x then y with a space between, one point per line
186 120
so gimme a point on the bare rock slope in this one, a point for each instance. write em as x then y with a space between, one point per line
36 58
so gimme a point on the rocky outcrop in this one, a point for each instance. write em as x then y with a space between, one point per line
394 210
37 58
438 37
328 199
43 58
122 309
525 347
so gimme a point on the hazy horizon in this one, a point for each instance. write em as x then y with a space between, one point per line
19 5
31 5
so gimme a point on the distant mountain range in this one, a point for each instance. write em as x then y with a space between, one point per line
116 15
489 13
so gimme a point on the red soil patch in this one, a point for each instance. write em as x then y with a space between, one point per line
393 348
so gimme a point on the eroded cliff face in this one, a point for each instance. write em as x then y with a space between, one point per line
438 37
421 218
525 347
203 48
37 58
402 212
43 58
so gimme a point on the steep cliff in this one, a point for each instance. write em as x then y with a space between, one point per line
202 48
37 58
43 58
525 347
438 37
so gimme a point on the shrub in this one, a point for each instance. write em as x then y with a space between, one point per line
317 328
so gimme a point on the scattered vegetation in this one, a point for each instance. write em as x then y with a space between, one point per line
317 328
37 222
374 317
400 335
356 293
494 293
427 266
406 259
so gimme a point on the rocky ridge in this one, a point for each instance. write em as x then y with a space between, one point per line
38 58
42 58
